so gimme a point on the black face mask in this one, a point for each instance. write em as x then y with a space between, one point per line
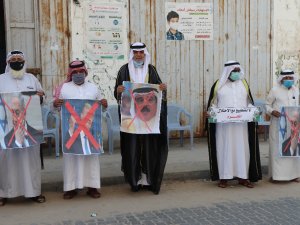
16 65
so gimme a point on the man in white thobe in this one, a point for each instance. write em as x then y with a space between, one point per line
229 143
20 169
80 170
285 93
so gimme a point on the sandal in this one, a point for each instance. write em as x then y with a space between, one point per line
70 194
3 201
296 180
39 199
92 192
246 183
222 184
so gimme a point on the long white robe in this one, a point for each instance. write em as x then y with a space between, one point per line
281 168
20 170
232 143
80 170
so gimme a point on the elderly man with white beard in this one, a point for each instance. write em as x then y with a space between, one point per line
20 169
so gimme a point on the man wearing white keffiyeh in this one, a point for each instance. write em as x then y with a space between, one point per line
20 170
233 147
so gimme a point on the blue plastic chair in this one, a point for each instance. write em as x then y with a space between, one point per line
174 123
113 125
51 131
261 105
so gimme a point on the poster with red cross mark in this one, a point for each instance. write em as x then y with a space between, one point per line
81 127
21 124
289 129
140 108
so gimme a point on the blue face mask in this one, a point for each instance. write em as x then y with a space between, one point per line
288 83
235 76
138 64
78 78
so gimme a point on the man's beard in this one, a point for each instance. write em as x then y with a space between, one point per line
17 74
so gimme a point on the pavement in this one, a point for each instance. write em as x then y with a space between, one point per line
183 163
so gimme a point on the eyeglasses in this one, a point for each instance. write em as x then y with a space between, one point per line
15 59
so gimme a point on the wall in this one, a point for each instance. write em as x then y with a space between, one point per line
286 49
242 31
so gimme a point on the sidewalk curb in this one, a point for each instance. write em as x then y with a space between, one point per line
176 176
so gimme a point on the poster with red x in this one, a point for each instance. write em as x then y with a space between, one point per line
289 130
81 127
140 108
21 124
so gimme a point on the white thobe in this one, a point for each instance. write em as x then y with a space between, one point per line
281 168
80 170
232 143
20 169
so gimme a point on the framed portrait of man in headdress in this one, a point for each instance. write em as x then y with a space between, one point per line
140 108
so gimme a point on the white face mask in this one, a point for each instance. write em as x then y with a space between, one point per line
17 74
174 26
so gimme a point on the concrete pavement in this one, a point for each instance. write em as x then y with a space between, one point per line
183 163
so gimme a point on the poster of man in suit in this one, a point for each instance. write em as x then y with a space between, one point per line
21 120
289 129
81 127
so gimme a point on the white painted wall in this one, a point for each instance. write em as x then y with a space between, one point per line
286 47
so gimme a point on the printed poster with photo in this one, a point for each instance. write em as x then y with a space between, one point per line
81 127
189 21
140 108
289 129
21 124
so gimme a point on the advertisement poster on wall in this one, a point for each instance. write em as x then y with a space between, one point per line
189 21
105 30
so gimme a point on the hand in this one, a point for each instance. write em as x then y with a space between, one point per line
276 113
120 89
207 115
40 93
163 87
58 102
71 124
20 136
103 102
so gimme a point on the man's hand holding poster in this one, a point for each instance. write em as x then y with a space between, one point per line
289 127
140 108
21 123
81 127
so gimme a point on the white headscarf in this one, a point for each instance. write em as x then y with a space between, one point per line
228 67
10 55
287 73
138 75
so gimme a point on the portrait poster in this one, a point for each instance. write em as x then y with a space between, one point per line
189 21
289 128
105 25
81 129
140 108
21 124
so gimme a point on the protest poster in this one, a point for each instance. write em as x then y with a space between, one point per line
140 108
289 127
105 31
21 124
233 115
81 127
189 21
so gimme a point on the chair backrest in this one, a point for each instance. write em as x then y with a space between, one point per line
112 115
174 114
